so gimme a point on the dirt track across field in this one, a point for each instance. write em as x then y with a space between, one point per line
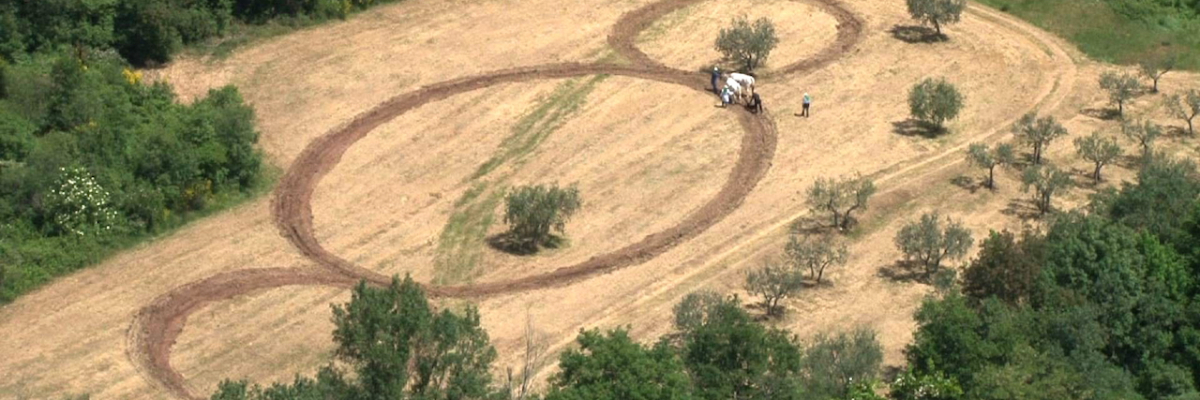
157 326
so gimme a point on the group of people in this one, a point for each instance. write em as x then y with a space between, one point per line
740 86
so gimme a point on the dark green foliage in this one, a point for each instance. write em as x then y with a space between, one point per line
613 366
532 212
156 161
145 32
935 101
731 356
747 44
1005 268
1110 312
1166 190
398 347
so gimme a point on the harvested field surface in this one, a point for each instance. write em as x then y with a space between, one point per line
400 128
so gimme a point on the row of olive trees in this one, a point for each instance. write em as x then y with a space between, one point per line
776 280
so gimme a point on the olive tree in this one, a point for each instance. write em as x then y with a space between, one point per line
747 43
1046 181
774 281
928 241
1120 87
1038 133
1185 107
978 154
935 101
1154 69
815 254
936 12
1098 149
532 212
840 198
1144 133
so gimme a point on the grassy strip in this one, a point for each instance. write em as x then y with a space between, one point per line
461 243
1105 34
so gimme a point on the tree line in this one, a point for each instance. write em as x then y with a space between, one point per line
145 31
393 344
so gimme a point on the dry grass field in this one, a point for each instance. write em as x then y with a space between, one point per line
420 193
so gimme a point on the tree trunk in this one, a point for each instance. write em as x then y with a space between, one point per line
1191 132
1156 83
1120 108
1037 153
937 27
992 177
1097 174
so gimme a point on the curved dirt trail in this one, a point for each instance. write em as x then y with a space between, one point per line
156 326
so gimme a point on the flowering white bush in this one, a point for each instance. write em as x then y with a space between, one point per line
78 205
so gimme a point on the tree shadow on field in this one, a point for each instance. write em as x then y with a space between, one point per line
913 34
968 183
912 127
1023 209
904 271
508 242
1103 114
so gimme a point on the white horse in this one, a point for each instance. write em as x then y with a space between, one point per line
734 87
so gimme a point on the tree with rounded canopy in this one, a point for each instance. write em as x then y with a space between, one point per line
936 12
1155 68
1144 133
612 366
774 281
935 101
840 198
929 242
748 44
1185 107
1046 181
1098 149
396 347
979 155
532 212
1038 132
1120 87
815 254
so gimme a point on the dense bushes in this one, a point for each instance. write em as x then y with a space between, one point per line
144 31
1100 306
91 158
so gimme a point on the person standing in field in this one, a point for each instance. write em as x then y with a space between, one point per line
756 106
716 76
807 103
